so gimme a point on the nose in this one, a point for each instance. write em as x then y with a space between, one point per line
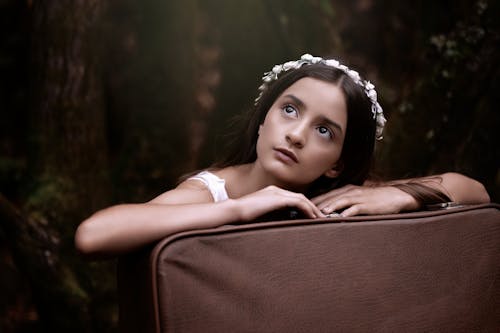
296 135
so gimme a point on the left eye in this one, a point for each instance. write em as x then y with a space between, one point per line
325 131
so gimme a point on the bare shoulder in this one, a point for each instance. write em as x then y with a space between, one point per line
188 192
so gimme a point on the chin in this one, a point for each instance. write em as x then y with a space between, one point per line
290 177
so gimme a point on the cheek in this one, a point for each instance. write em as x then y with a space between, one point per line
327 157
262 139
268 128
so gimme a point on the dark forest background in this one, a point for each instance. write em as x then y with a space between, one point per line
106 101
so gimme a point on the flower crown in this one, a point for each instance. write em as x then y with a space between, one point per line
307 59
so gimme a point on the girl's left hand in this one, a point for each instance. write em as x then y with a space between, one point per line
365 200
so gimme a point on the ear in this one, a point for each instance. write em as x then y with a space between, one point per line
335 171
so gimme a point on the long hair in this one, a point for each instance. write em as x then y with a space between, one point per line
357 152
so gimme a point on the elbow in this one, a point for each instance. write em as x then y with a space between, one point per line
86 239
484 197
470 191
83 240
98 237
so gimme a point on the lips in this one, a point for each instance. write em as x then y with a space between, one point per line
287 154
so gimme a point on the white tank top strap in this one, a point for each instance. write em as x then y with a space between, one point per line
216 185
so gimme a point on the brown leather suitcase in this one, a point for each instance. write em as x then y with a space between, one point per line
414 272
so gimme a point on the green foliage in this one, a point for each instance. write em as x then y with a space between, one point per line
51 198
327 8
447 118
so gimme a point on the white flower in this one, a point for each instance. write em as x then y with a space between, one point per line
289 65
277 69
353 75
381 120
333 63
315 60
307 57
379 110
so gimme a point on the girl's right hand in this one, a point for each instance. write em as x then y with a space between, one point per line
273 198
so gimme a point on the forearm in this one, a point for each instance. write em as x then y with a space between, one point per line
123 228
401 195
455 186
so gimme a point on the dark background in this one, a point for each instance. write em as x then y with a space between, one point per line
106 101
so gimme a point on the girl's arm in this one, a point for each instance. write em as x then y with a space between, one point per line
459 188
123 228
387 198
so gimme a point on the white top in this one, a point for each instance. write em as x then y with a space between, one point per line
216 185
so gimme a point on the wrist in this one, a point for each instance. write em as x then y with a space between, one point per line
235 209
407 201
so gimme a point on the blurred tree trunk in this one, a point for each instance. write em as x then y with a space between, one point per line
207 53
68 109
67 162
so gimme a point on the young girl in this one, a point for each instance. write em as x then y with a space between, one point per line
308 145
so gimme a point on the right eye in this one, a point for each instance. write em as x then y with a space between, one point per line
290 111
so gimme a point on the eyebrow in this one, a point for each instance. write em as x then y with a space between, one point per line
301 104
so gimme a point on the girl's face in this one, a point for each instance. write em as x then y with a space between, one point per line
302 135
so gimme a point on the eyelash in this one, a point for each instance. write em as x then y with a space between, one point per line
286 108
329 131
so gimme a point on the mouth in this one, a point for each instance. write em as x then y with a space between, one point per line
287 154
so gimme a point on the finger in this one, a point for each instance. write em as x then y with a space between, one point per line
326 207
343 203
308 208
300 201
352 211
297 200
317 211
333 194
311 210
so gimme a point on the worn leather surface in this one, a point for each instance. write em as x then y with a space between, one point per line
416 272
